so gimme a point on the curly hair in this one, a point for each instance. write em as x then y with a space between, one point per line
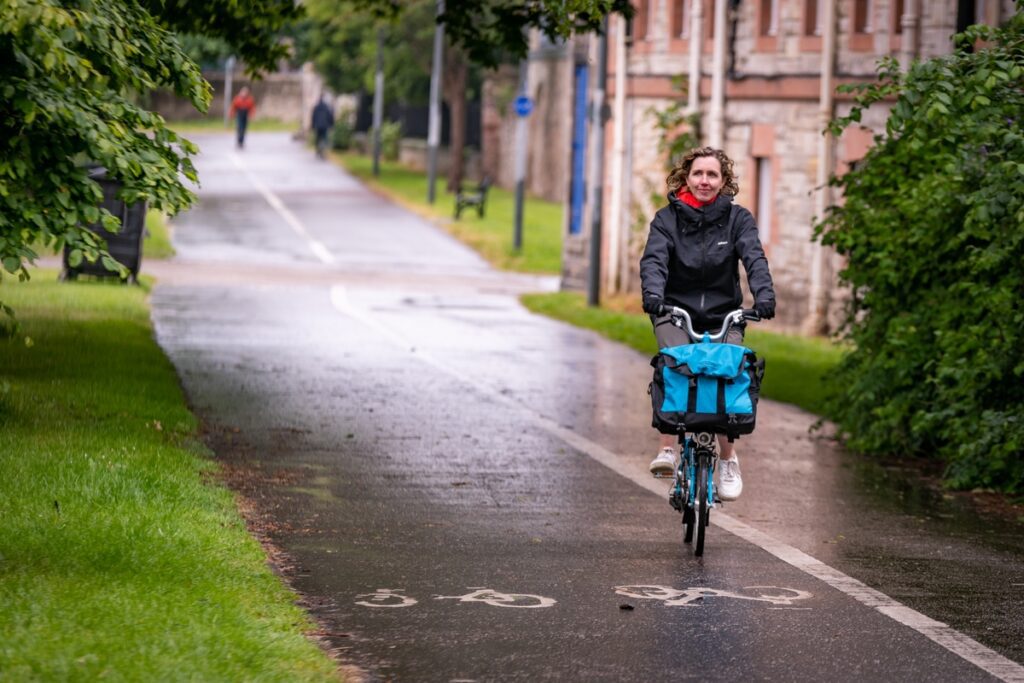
677 178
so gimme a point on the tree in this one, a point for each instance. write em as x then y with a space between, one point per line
932 229
456 77
341 42
71 77
494 31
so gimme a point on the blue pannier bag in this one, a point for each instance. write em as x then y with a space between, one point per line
706 387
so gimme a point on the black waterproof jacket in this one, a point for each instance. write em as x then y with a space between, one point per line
692 259
322 118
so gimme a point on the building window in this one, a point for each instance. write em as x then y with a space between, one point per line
862 11
764 198
769 19
980 13
681 19
640 20
812 17
897 18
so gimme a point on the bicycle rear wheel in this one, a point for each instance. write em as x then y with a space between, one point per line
701 504
688 516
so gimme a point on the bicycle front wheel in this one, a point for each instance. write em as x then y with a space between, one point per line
701 504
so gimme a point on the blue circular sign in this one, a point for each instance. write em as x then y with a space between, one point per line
524 105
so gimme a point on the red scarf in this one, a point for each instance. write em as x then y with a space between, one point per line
687 198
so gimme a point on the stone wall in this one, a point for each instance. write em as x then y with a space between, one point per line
286 96
549 84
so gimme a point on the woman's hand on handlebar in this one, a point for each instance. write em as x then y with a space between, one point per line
765 309
654 305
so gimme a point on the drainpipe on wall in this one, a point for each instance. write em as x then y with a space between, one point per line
716 128
696 43
617 230
909 23
816 320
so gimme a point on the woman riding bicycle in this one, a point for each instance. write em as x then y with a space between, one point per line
692 261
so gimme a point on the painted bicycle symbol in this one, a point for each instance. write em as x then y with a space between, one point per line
692 597
497 599
393 597
386 597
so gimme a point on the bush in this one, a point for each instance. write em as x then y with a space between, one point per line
932 228
341 135
390 139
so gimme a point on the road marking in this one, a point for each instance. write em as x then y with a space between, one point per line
497 599
959 644
386 597
692 597
315 245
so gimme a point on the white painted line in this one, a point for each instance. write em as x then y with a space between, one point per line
959 644
316 246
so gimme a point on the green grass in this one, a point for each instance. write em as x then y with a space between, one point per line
216 125
157 241
795 365
491 236
120 558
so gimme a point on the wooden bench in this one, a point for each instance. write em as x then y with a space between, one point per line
476 197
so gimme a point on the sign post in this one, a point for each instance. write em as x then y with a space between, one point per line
523 107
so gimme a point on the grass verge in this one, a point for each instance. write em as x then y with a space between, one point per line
216 125
157 240
795 365
119 556
492 235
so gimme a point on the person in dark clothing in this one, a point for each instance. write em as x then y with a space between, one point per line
322 122
691 260
242 108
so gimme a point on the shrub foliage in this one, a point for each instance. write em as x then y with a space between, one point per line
932 230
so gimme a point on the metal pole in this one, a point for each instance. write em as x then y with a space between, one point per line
229 72
522 142
434 128
597 178
378 101
716 132
696 44
616 226
815 322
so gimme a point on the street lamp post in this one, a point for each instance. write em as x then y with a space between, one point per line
434 128
378 101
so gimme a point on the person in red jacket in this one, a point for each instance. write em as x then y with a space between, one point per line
242 107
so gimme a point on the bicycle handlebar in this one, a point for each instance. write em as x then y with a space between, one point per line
680 316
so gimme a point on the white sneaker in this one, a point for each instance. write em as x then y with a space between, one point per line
730 482
664 463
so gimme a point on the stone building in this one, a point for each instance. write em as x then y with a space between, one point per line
765 74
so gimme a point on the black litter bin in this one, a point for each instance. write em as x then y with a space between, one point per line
125 246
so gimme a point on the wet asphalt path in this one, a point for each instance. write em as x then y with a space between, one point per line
461 485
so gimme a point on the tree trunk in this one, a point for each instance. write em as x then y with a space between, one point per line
455 77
